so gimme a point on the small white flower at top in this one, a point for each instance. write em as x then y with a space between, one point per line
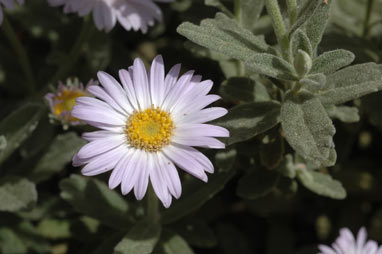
63 99
131 14
347 244
10 4
148 125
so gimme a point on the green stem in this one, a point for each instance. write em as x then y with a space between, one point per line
237 11
74 54
21 53
292 11
366 22
274 12
152 205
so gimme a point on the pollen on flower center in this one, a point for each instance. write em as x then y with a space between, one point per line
66 100
150 129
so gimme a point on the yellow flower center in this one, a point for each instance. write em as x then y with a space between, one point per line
65 102
150 129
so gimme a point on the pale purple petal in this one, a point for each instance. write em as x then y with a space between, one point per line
101 145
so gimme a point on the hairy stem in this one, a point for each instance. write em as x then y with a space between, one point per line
21 54
274 12
74 53
366 21
292 11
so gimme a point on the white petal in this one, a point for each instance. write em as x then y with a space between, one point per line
171 78
100 146
141 84
176 92
202 116
131 173
206 142
326 249
103 95
94 135
158 181
200 130
141 184
117 175
171 175
157 88
127 83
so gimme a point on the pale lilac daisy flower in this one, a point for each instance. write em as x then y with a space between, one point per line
347 244
131 14
10 4
149 125
63 99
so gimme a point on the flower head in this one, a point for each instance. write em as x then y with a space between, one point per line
347 244
10 4
149 125
131 14
62 101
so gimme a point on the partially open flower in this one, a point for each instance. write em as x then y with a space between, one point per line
347 244
131 14
62 101
149 124
10 4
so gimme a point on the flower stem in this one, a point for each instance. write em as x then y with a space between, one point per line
292 11
366 22
74 54
21 53
274 12
152 211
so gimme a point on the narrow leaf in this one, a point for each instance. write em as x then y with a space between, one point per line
322 184
307 127
305 13
249 120
217 4
301 41
343 113
331 61
172 243
250 12
270 65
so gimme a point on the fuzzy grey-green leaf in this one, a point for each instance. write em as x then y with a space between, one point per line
248 120
305 13
343 113
141 239
224 35
322 184
301 41
307 127
243 89
249 12
17 194
17 127
331 61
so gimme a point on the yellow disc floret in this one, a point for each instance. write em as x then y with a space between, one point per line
150 129
65 101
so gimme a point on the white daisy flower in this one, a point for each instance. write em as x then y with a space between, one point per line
149 125
63 99
131 14
10 4
347 244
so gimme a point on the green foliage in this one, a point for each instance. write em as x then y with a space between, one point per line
331 61
141 239
92 197
16 128
17 194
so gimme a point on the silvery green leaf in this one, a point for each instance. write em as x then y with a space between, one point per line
305 12
316 24
322 184
93 198
59 153
224 35
54 228
314 82
249 120
343 113
17 127
270 65
301 41
17 194
352 82
217 4
307 127
331 61
250 12
243 89
141 239
257 183
172 243
195 194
